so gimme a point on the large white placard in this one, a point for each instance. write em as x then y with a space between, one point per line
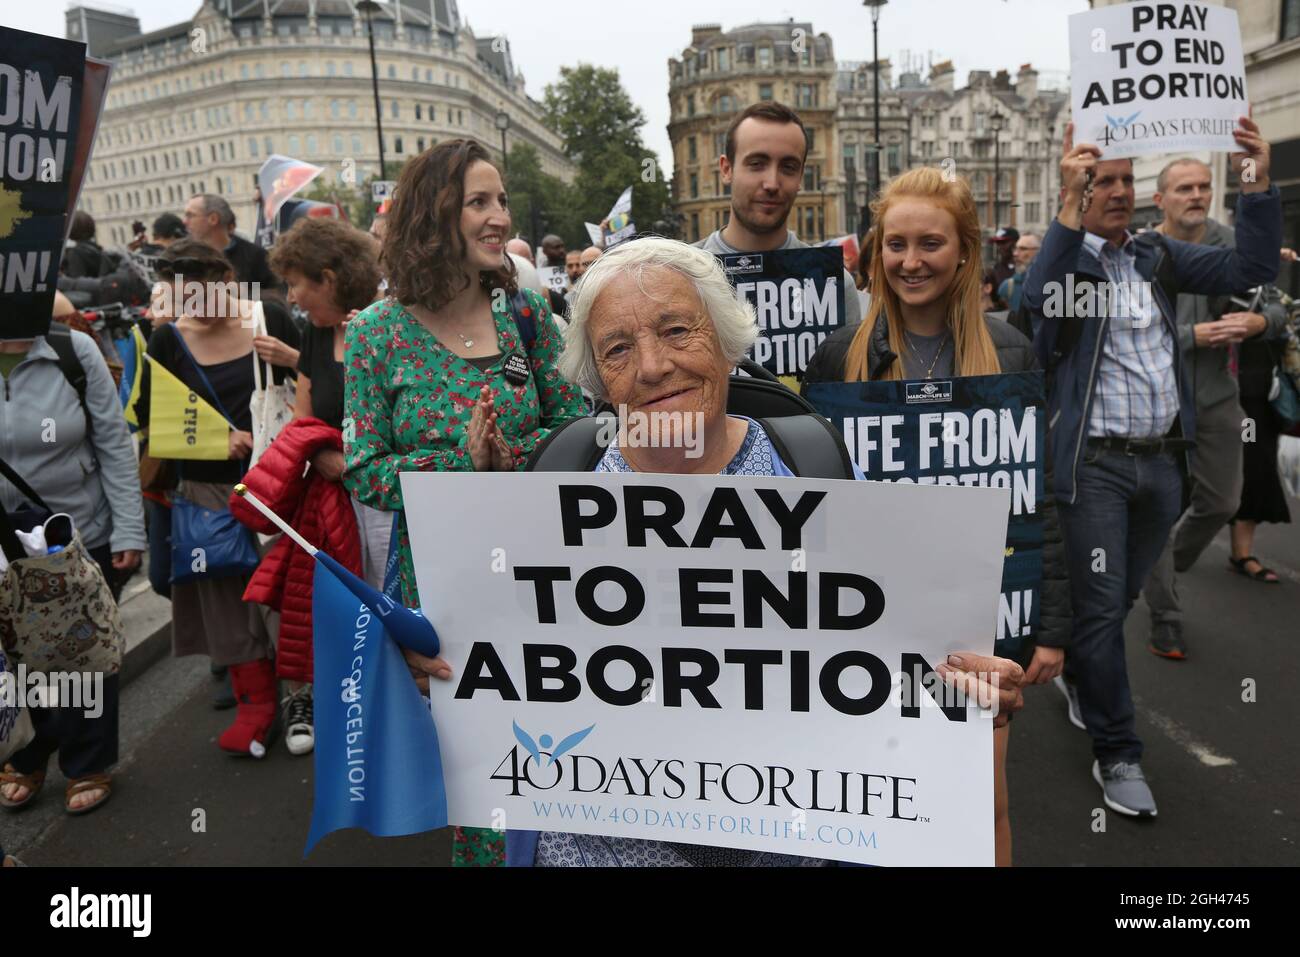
713 660
1156 78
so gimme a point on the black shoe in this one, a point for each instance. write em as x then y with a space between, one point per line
1167 640
223 698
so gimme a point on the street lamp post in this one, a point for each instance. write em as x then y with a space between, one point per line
369 7
995 121
503 124
875 6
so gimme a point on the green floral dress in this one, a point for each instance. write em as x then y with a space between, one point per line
407 405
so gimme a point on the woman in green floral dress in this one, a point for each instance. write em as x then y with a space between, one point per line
430 384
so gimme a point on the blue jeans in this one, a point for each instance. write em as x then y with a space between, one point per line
160 547
1114 533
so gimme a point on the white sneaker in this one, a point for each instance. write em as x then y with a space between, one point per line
300 733
1072 701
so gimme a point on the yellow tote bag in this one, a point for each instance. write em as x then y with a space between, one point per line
182 425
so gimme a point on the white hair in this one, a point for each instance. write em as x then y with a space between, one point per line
733 318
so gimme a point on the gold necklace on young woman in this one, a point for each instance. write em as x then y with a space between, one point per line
929 373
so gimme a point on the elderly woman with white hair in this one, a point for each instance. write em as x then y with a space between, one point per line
655 330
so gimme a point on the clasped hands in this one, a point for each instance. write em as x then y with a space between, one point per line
487 447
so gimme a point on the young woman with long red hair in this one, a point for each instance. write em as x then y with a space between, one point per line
926 322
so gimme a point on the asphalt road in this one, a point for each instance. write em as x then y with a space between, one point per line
1225 772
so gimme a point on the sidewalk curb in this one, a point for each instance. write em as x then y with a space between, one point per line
141 656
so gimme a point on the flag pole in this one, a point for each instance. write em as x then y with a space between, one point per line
242 491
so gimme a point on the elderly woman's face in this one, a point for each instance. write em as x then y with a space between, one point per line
660 354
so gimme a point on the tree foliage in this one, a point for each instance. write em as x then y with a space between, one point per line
601 129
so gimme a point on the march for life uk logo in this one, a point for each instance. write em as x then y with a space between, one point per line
77 910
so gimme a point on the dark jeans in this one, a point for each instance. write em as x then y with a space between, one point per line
85 745
159 518
1114 533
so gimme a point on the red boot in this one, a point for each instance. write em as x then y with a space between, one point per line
256 701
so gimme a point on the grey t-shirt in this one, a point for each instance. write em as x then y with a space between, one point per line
929 349
714 243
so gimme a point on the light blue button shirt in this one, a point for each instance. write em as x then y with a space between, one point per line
1136 394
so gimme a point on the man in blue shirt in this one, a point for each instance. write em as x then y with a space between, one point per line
1121 412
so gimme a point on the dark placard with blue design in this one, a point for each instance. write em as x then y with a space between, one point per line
798 295
40 112
979 430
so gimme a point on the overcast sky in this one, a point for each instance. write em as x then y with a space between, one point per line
638 36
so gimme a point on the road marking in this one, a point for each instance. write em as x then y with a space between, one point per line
1176 733
134 590
1282 570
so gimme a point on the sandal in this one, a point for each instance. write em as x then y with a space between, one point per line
1260 576
91 782
32 782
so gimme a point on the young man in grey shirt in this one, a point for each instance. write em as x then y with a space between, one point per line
763 165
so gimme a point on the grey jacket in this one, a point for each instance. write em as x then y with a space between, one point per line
43 438
1212 383
713 243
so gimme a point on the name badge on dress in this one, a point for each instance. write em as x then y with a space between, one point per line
516 369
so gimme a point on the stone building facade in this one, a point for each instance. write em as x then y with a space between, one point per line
198 106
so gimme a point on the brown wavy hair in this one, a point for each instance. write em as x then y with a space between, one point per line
315 245
974 352
423 248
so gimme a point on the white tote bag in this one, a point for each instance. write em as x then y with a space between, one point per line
271 405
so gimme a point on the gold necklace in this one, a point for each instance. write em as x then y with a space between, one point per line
929 373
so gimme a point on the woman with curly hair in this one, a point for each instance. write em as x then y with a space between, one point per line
455 370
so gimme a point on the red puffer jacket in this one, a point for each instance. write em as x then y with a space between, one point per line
318 510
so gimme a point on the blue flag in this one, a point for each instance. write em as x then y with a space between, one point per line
378 766
408 627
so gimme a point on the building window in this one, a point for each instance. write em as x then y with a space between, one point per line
431 116
1031 148
812 139
356 143
352 109
1033 180
295 145
252 146
243 71
329 67
337 144
419 144
398 145
724 60
954 122
392 108
302 68
765 91
690 149
286 69
806 95
347 68
290 111
258 72
810 177
765 58
428 76
695 225
1290 19
415 74
417 111
307 109
695 186
311 145
392 72
1031 212
265 109
690 104
334 109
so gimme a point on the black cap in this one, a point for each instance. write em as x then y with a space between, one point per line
1007 234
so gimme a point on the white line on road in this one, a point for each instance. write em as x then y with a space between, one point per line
1175 732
